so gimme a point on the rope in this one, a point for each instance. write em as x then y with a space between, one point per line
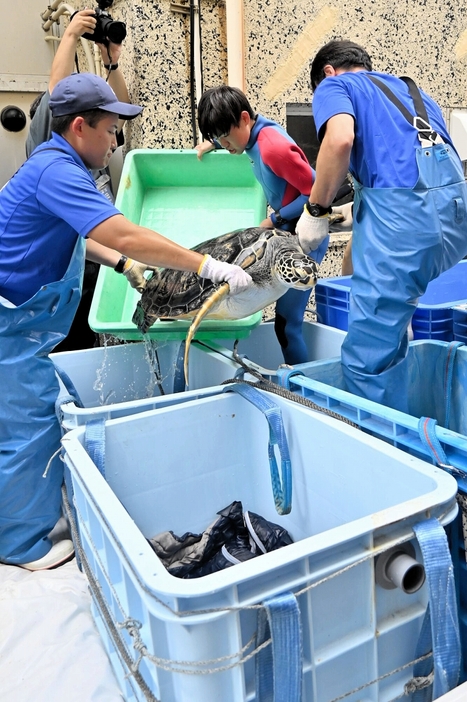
44 474
267 385
412 686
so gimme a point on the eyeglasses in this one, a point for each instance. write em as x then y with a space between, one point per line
222 136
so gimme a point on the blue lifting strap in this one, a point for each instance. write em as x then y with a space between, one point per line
94 442
429 439
449 370
440 629
285 374
279 666
69 386
62 399
281 485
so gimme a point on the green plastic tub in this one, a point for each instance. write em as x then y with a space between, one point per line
189 201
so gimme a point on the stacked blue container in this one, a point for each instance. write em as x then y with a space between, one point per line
434 317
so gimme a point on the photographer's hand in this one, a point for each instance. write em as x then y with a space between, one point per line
110 53
84 21
63 63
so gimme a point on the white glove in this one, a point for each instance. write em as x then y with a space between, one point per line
222 272
134 273
311 230
344 225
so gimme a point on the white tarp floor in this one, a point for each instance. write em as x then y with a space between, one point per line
50 649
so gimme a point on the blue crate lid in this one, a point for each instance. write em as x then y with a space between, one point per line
449 289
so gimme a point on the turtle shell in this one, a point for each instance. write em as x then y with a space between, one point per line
172 294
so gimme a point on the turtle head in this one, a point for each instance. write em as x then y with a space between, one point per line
296 270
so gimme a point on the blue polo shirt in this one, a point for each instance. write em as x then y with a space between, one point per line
50 201
384 150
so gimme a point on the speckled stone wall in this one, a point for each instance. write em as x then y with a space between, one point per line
425 39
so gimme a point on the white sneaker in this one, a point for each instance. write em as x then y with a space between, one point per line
59 553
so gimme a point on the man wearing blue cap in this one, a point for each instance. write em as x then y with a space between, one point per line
51 214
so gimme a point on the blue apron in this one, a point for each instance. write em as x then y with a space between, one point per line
30 504
402 239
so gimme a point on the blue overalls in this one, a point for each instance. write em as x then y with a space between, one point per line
30 504
402 239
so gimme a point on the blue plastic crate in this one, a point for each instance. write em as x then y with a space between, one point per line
433 318
459 321
322 382
353 496
115 381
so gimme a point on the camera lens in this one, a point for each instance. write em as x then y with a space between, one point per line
116 32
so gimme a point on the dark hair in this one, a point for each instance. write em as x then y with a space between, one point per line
338 53
60 125
219 110
35 104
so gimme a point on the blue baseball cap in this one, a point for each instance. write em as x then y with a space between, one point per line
86 91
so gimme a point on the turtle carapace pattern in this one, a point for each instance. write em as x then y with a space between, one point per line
272 257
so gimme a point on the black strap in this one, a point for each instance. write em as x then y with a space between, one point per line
420 119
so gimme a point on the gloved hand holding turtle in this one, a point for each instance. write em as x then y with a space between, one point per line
134 272
222 272
345 223
312 230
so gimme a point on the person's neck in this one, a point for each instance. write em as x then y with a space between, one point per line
354 69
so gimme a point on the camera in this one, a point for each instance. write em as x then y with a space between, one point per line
106 28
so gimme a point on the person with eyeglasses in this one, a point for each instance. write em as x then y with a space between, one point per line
227 120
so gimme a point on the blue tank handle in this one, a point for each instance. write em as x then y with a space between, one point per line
285 374
440 629
69 386
281 484
449 370
279 666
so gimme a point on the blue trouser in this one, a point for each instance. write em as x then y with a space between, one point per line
402 239
290 310
30 504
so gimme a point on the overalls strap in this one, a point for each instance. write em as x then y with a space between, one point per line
420 120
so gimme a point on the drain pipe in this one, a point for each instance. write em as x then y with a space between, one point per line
235 44
53 6
397 567
52 15
196 75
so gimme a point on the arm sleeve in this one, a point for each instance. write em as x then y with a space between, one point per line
331 98
287 161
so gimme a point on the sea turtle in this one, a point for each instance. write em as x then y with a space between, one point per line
272 257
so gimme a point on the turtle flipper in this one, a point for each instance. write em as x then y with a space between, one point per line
141 318
212 300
